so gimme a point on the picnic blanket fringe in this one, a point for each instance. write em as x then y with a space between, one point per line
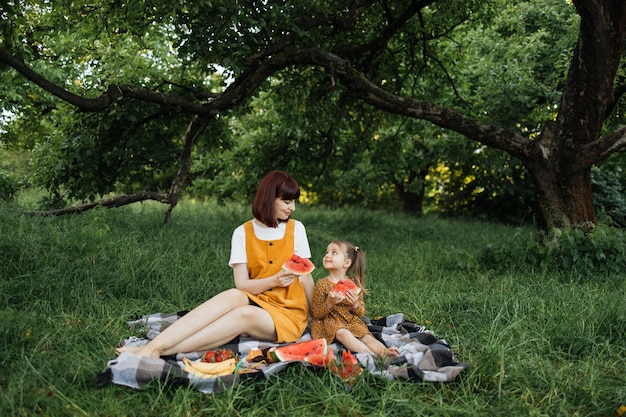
423 356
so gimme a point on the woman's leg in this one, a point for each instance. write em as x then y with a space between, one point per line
249 319
191 323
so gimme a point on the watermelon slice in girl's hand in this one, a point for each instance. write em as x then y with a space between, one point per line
344 285
298 266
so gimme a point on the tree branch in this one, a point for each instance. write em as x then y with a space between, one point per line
113 92
194 129
602 148
117 201
364 89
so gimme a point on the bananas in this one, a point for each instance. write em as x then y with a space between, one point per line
210 370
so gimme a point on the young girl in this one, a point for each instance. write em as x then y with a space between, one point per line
336 316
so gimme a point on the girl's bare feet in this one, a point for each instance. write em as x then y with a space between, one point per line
392 352
389 353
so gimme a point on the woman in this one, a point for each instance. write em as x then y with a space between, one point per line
267 303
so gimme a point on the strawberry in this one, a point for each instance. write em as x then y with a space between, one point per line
219 355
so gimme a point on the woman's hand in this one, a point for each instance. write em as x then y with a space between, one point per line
284 278
257 286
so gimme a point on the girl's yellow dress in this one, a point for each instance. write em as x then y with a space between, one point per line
325 323
288 306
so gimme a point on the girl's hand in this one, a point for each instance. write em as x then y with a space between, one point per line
284 278
333 299
353 299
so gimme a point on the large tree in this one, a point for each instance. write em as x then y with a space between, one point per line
371 48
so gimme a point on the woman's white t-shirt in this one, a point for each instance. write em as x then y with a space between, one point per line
238 243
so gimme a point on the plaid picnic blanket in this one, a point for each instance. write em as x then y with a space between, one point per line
423 357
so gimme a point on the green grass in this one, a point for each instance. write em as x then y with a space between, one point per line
539 343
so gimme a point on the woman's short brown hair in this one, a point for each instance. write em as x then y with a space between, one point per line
276 184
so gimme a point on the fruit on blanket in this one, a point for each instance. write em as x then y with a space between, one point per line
349 368
298 266
344 285
347 372
215 369
347 358
321 359
297 351
255 355
209 370
192 371
219 355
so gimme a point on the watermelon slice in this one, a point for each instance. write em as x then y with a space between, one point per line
347 358
298 266
349 373
321 359
344 285
298 351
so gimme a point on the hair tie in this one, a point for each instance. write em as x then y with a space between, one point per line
356 248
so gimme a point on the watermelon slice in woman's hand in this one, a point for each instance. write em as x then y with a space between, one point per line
298 266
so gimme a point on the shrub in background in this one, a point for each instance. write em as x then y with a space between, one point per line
600 250
8 187
608 195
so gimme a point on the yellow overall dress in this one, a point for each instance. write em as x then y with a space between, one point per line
287 305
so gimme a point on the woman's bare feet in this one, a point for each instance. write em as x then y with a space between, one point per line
123 349
147 352
144 351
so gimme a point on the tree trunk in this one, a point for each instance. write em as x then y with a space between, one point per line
412 203
561 158
195 128
563 201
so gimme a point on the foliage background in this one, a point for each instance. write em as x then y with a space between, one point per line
500 62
